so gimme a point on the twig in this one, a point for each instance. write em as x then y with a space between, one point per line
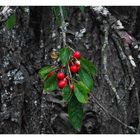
69 71
104 54
74 80
63 26
71 48
64 29
107 112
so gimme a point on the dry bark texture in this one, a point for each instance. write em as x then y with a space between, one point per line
24 108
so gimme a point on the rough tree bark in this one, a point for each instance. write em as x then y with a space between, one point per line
109 37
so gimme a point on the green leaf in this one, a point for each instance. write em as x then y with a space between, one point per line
81 92
75 112
65 55
50 84
44 71
86 78
88 66
66 93
11 22
82 8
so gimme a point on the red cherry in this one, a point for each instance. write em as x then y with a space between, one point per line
50 74
78 67
74 69
72 87
62 84
77 55
60 76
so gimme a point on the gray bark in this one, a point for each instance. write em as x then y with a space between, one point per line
113 48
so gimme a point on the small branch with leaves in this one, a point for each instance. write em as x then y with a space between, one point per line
73 77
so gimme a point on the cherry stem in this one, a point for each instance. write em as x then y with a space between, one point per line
71 49
63 29
69 72
59 68
73 79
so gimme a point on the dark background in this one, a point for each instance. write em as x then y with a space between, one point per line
27 47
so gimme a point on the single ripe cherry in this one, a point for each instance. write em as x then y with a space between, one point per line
50 74
77 55
72 87
74 69
62 84
60 76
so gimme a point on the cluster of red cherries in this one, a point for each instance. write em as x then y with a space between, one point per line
74 65
74 68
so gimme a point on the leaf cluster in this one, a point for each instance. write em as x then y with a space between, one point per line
83 85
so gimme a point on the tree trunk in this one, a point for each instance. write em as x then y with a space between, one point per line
114 105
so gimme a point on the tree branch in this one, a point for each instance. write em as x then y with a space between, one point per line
63 26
